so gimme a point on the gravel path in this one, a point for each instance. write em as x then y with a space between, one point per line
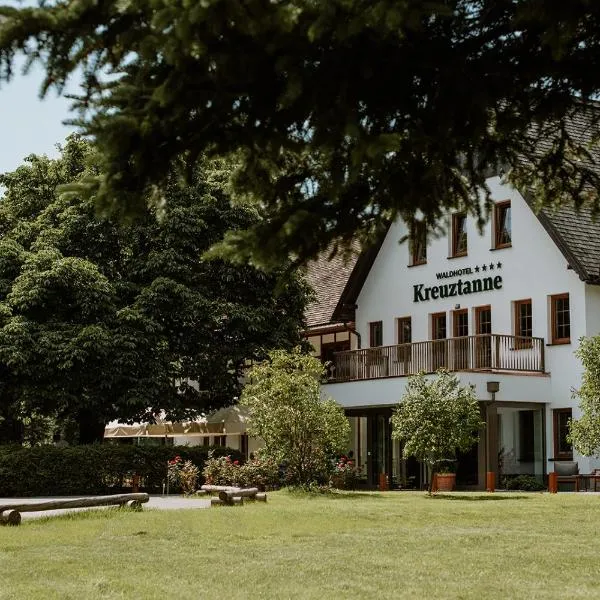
155 502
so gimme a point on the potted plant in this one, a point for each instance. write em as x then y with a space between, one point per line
435 418
445 478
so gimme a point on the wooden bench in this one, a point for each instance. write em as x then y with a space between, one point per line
10 514
233 496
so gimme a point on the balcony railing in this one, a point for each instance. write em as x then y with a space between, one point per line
470 353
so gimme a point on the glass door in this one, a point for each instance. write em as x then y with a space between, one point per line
483 345
461 346
439 344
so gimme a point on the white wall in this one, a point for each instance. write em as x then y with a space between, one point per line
532 268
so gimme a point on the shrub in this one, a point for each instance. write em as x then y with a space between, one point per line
524 483
299 427
92 469
183 473
259 472
435 418
345 474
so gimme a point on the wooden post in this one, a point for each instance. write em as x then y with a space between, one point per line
552 483
490 481
227 495
135 483
383 484
219 502
261 497
10 517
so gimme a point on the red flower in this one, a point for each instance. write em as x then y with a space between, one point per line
236 462
350 463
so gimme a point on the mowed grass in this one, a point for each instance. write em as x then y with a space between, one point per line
391 545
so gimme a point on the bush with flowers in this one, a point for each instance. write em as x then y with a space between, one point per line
345 474
258 472
183 473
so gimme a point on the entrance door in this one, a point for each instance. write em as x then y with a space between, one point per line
461 346
483 345
439 343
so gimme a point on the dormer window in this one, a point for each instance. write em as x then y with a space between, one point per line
418 243
459 235
502 225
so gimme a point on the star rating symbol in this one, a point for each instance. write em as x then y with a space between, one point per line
491 266
477 269
499 265
484 268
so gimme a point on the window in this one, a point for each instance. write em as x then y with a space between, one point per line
523 318
483 320
523 323
502 225
376 334
561 319
439 345
460 347
461 323
483 341
404 330
562 449
418 243
404 353
459 235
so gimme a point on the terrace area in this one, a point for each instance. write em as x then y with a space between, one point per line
491 352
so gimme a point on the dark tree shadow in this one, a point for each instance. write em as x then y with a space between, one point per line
470 497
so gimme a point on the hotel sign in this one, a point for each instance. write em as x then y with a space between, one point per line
462 287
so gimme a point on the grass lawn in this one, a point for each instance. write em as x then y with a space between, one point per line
391 545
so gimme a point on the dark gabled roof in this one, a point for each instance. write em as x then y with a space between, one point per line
575 232
337 281
577 236
328 276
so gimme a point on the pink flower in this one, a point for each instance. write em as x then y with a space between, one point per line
236 462
350 463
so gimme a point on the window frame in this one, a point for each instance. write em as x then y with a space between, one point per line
558 455
553 319
456 234
372 325
434 318
456 314
499 206
478 313
521 343
399 321
418 229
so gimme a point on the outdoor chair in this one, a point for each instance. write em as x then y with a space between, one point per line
567 471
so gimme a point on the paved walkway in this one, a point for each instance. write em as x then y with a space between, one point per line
155 502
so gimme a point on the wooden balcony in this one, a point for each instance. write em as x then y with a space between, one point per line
472 353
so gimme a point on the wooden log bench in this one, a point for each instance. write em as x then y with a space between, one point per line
233 496
10 514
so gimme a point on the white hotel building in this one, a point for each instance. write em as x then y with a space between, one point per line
504 309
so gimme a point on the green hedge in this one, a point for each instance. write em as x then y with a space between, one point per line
95 469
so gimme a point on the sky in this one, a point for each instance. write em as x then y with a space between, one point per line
28 124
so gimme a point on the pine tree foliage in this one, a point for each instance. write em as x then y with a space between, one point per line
102 321
342 114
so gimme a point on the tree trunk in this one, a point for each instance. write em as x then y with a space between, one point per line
91 427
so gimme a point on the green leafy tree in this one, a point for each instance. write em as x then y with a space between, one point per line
100 321
298 426
584 433
343 114
436 418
